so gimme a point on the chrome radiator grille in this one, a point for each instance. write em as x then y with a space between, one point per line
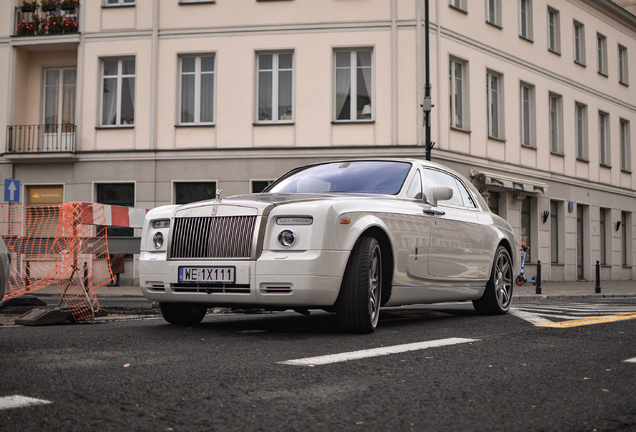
213 237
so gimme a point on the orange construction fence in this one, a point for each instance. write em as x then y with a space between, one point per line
64 246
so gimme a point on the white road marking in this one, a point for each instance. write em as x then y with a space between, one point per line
631 360
18 401
375 352
530 317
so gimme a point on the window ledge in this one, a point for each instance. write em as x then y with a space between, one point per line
623 83
626 171
288 123
554 52
461 130
494 25
578 159
605 166
352 122
503 140
126 5
526 39
458 9
529 147
195 125
114 127
557 154
185 3
580 63
603 74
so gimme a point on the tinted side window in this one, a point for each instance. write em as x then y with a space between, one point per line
415 188
461 197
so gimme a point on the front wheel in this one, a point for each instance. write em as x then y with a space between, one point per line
358 306
182 313
520 280
497 297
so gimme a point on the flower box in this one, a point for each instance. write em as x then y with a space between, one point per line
27 9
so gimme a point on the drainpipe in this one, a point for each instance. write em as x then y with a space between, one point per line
153 75
394 74
79 81
418 55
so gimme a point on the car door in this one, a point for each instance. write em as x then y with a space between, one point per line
456 243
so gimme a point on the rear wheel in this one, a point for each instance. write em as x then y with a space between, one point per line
520 280
182 313
498 294
358 307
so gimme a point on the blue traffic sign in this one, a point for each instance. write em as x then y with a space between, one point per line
11 190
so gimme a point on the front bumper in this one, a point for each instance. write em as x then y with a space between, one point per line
277 280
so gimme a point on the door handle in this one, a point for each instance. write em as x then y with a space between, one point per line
433 212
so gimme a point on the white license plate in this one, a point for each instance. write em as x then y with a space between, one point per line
220 275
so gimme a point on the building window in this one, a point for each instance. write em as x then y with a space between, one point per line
493 12
119 2
526 109
554 231
187 192
603 235
626 154
120 194
556 124
275 87
525 19
259 186
458 4
494 88
554 31
580 132
493 202
118 96
601 53
458 84
603 139
579 43
623 71
354 83
525 226
197 90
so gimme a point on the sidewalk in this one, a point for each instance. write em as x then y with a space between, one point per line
549 289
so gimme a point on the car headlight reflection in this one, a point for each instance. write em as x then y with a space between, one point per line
286 238
157 240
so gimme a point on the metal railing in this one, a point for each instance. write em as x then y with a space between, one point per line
46 18
46 138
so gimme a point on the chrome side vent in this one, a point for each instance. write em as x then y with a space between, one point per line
212 237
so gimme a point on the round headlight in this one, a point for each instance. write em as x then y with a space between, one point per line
157 240
286 238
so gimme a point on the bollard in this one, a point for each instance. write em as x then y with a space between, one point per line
538 290
597 290
85 280
27 276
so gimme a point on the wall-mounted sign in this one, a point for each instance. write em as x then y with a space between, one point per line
45 194
12 190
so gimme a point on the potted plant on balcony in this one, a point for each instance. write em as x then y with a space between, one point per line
25 28
69 4
29 6
49 5
69 25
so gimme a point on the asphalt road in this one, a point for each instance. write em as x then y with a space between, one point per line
129 373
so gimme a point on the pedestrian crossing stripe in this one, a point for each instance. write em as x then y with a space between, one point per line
589 321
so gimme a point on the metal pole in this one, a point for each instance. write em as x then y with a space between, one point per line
538 290
427 89
597 289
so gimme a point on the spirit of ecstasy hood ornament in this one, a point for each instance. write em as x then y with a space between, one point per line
218 194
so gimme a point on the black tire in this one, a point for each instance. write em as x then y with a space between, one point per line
497 297
182 313
520 280
358 306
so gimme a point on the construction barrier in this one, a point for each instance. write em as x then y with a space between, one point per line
65 246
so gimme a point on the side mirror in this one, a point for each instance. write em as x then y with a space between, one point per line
439 193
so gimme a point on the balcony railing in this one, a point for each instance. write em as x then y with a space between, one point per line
44 17
47 138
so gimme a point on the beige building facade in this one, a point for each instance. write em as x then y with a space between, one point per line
152 102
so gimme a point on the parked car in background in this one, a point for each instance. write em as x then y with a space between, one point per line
347 236
5 268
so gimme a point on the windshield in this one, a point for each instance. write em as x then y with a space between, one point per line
382 177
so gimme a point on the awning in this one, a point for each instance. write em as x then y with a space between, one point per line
503 182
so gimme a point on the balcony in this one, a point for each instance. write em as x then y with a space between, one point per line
44 143
46 17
